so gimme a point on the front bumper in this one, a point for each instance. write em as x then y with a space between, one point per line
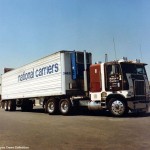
138 105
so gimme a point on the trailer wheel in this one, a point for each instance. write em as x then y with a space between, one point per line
6 105
2 104
117 107
51 106
65 106
11 105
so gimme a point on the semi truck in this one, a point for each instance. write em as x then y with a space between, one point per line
67 80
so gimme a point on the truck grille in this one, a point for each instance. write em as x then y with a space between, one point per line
139 87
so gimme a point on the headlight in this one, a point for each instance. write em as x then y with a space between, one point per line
103 95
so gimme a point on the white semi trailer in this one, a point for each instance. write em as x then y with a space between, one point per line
67 79
53 79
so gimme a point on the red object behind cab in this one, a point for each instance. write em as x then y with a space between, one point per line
95 78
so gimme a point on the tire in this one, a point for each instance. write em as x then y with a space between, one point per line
117 107
11 105
65 106
6 105
51 106
2 104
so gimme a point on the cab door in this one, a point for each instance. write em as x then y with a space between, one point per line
113 79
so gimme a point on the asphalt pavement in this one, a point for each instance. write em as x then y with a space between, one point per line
82 131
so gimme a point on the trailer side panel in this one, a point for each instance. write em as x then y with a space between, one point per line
40 78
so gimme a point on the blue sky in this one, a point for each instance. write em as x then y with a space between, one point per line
31 29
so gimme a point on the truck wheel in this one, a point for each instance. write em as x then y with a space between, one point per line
51 106
6 105
117 107
65 106
11 105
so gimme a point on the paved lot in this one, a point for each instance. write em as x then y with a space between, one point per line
39 131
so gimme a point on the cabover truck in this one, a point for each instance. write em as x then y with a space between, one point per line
66 80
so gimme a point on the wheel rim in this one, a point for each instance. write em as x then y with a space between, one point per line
118 107
51 107
6 105
9 103
64 106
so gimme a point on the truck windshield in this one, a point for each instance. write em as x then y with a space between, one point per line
133 68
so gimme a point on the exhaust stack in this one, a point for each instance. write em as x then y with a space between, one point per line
85 74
